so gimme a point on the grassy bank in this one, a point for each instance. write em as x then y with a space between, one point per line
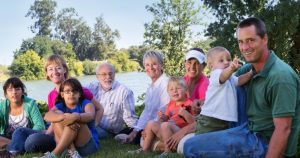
111 149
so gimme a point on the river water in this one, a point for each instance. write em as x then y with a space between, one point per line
138 82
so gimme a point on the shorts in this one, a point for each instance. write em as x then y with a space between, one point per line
89 148
207 124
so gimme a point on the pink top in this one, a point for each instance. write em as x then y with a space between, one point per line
172 111
200 87
53 95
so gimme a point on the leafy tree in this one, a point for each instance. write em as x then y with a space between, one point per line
44 12
122 63
66 21
136 53
103 40
70 28
89 67
28 66
81 39
282 20
40 44
44 47
170 30
203 44
63 49
4 73
75 67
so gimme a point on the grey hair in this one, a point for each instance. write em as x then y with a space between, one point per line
154 54
98 67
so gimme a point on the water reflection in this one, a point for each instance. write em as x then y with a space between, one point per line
138 82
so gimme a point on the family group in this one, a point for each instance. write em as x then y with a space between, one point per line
250 110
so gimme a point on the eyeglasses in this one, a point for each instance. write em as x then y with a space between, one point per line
106 74
70 91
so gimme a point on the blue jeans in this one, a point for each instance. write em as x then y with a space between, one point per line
103 134
230 143
237 141
242 114
29 140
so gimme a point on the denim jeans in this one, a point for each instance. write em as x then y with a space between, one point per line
103 134
236 141
29 140
230 143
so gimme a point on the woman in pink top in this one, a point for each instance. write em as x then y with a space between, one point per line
197 82
57 72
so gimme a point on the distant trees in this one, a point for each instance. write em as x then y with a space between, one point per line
68 35
68 27
44 12
170 30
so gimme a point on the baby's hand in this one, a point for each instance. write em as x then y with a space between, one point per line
235 63
162 116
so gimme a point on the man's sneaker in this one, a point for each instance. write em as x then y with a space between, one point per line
48 155
122 138
140 150
73 154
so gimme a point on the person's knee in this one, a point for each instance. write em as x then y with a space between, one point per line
165 126
39 142
19 131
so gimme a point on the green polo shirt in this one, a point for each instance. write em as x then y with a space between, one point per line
272 93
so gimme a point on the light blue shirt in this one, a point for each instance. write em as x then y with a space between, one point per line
118 104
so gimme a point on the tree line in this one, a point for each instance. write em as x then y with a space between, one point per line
67 34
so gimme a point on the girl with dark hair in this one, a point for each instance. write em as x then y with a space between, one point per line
73 123
17 111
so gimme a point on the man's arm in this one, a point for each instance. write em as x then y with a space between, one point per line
279 137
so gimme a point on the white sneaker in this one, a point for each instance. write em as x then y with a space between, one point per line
135 151
47 155
122 138
74 154
162 155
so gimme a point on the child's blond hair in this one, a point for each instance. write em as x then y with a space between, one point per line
212 52
178 80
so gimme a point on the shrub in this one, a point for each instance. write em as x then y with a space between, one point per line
28 66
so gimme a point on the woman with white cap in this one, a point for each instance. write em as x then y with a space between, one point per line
195 62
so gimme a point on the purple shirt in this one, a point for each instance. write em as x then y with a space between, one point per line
53 95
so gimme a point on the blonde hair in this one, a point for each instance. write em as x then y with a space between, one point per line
178 80
212 52
58 60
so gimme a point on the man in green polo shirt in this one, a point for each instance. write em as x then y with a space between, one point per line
273 105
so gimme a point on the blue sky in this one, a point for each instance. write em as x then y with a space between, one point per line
127 16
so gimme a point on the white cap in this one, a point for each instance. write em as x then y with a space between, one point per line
197 55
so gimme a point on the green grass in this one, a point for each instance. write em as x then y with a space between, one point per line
111 149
